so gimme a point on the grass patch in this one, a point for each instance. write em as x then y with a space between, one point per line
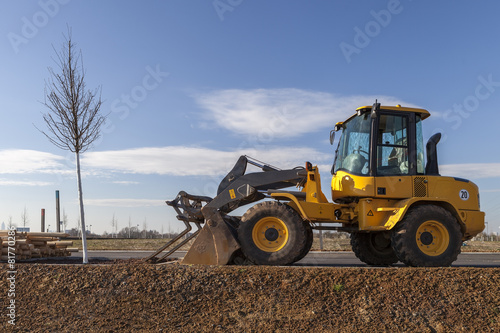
337 287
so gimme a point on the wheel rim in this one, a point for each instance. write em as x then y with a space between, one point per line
432 238
270 234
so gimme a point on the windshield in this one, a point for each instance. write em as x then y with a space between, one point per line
352 154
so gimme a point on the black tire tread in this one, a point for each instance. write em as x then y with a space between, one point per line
309 243
405 246
360 243
297 242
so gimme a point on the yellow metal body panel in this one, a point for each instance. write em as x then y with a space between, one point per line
373 214
394 187
313 187
315 212
346 185
474 222
461 194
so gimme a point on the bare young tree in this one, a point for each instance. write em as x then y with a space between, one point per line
74 118
145 227
10 224
24 217
65 221
114 226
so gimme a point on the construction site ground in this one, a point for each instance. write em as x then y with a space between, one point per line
133 296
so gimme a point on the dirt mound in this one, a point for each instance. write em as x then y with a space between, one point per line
130 296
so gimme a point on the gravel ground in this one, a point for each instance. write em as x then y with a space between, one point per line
131 296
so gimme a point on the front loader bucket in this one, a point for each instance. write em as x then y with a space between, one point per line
215 245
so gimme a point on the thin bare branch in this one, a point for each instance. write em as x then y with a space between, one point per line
73 119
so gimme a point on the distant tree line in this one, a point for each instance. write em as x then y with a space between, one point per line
132 232
491 237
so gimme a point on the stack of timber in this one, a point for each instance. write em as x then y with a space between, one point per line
27 245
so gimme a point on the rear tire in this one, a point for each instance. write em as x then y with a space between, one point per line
428 236
373 248
271 233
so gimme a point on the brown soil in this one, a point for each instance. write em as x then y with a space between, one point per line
131 296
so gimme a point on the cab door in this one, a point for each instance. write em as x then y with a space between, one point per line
393 162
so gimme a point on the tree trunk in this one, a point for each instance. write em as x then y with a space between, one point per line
82 214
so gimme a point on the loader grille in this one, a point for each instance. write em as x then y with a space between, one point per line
419 187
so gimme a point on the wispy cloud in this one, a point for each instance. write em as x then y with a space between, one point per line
22 161
280 112
125 182
471 170
194 161
124 202
10 182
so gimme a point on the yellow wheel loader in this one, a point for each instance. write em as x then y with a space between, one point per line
386 193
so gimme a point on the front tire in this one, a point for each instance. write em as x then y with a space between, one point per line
271 233
309 242
373 248
428 236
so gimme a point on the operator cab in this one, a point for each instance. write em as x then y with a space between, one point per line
381 154
396 148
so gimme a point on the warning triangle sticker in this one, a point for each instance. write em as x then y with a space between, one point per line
370 213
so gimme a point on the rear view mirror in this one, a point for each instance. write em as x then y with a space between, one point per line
332 136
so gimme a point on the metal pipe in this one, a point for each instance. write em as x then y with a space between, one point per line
42 227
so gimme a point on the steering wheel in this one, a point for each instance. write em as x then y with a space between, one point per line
359 150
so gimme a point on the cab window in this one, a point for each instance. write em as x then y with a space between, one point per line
420 147
392 145
354 146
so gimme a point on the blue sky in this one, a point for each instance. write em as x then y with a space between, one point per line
191 85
